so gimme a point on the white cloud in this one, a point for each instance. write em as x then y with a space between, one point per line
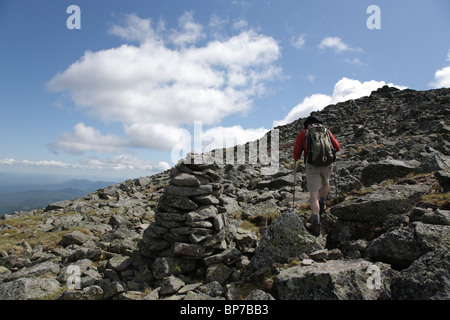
217 22
154 90
135 29
190 31
122 163
155 136
227 137
299 41
310 77
240 24
85 138
345 89
336 44
442 77
116 163
28 163
355 61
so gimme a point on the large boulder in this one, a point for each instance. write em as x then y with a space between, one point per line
75 237
279 182
402 246
89 293
334 280
261 211
427 278
29 289
387 169
284 239
377 205
58 205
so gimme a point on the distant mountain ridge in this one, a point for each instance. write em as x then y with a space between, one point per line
26 197
80 184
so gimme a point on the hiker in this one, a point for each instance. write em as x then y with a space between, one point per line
318 174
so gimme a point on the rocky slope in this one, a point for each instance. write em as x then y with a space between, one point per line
228 232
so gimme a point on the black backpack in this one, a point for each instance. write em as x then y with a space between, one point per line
320 149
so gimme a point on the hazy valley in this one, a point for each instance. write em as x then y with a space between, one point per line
29 196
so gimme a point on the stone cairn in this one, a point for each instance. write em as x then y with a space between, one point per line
189 235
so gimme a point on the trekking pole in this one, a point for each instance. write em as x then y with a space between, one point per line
295 180
335 182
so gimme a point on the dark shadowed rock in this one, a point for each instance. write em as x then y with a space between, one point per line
444 179
427 278
166 266
172 203
58 205
387 169
189 191
259 295
402 246
75 237
186 180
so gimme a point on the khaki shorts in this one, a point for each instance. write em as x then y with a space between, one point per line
316 176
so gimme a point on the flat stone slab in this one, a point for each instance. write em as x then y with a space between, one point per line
333 280
377 205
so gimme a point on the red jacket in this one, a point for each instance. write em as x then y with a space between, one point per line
300 145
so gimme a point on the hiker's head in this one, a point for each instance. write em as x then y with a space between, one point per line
310 120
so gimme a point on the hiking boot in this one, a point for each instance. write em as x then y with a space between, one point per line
322 207
313 225
313 228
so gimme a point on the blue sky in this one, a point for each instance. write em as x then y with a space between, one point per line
120 97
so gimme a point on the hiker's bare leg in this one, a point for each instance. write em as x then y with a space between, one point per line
313 224
314 202
324 190
314 198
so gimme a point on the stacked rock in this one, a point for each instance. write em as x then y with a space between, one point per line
189 222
